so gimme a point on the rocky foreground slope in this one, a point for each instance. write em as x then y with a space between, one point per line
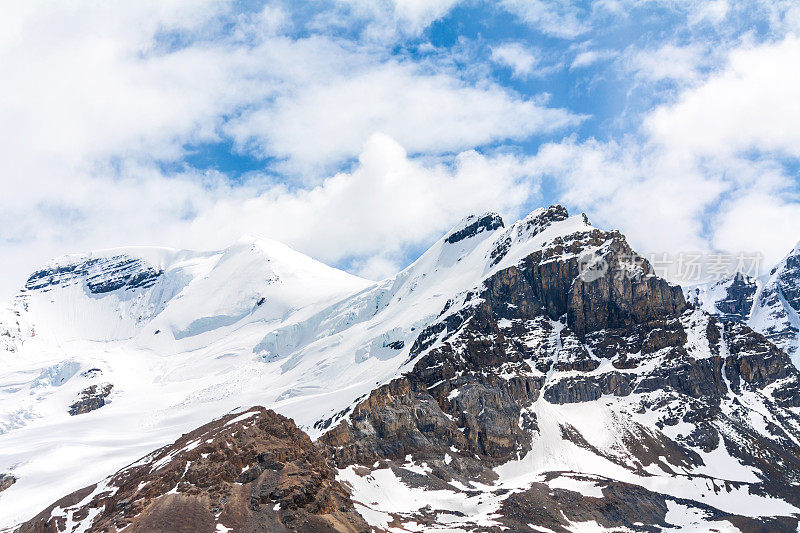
538 377
247 471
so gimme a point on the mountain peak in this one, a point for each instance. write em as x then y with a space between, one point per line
544 216
557 212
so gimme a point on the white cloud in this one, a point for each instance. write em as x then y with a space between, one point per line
590 57
75 83
386 20
105 87
709 171
418 14
97 97
750 105
713 11
755 220
665 203
518 57
386 203
668 62
562 18
657 202
424 112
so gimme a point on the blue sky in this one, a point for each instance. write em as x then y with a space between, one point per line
359 131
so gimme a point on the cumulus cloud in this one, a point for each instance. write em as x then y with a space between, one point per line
658 202
756 220
668 204
82 84
389 201
101 103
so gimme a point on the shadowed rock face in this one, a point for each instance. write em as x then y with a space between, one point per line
621 291
475 225
770 305
101 275
735 297
490 367
738 299
622 505
254 471
779 301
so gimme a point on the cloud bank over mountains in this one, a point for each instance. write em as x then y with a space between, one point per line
359 131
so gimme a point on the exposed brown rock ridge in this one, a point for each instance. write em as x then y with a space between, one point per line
249 471
417 414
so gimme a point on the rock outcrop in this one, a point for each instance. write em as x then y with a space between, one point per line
769 304
6 480
474 225
248 471
91 398
738 300
731 298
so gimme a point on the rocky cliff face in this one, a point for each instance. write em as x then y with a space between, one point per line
248 471
674 386
100 275
777 305
738 301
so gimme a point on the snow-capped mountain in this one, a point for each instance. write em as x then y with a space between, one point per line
140 293
185 336
769 304
522 377
731 297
